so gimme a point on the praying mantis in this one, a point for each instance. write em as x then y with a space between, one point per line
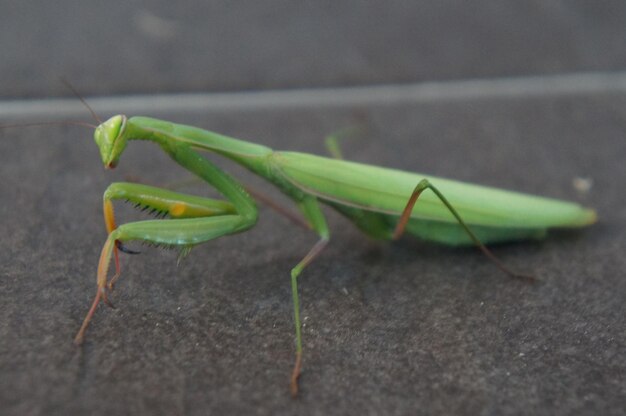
383 203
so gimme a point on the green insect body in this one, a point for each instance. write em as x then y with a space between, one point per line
381 202
494 215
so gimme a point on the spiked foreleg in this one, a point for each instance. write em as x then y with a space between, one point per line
183 233
198 219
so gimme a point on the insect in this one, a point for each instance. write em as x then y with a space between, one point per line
383 203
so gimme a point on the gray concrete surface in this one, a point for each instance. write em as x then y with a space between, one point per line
402 328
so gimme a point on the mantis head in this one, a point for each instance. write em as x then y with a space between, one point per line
111 140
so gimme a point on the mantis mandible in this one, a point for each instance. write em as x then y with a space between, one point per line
383 203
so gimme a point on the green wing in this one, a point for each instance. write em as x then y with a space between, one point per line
387 191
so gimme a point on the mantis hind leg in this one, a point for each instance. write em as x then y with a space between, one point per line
423 185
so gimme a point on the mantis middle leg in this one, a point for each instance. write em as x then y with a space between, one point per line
312 212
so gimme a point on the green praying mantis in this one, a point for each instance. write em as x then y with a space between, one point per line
383 203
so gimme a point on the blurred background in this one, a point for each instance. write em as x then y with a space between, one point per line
525 95
160 46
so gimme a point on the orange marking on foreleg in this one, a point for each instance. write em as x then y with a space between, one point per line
109 221
109 217
177 209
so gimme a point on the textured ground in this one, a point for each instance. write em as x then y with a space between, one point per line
402 328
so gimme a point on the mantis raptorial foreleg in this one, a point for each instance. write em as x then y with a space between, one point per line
198 219
160 202
183 232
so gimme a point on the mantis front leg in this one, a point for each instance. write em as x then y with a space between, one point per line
196 219
160 202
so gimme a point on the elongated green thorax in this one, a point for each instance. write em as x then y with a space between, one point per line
162 131
113 135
